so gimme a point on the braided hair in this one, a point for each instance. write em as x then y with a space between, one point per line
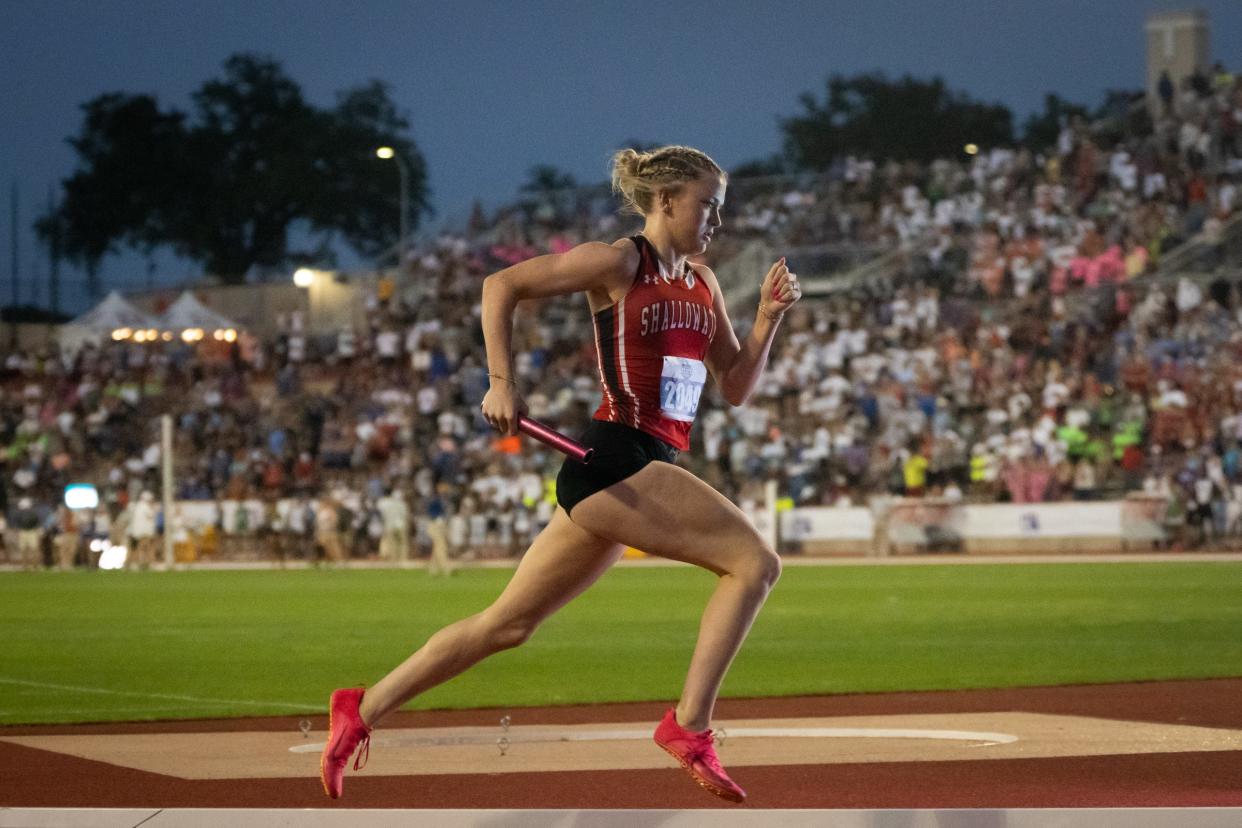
639 176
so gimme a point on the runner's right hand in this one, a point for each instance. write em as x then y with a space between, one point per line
501 406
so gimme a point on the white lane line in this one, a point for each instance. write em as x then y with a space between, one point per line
530 737
170 696
91 711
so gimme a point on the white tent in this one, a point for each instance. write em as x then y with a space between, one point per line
98 323
187 313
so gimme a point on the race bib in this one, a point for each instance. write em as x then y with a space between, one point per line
681 383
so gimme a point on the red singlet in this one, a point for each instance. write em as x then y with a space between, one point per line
651 346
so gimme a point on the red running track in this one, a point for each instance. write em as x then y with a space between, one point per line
38 778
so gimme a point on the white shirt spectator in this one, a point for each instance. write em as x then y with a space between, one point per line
944 213
393 512
345 344
1216 473
1233 509
1122 169
297 348
1188 137
1154 183
1023 275
1019 404
1055 393
832 354
1084 475
903 314
1226 197
1078 417
857 341
868 367
774 450
927 358
478 529
834 387
1062 254
1175 397
1203 491
295 516
142 522
387 343
752 419
1189 295
458 527
714 423
928 310
450 422
428 400
530 487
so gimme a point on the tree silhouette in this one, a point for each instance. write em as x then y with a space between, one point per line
225 185
906 119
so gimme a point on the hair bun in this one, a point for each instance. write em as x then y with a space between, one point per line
633 160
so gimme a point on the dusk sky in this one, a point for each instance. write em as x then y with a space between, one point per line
493 88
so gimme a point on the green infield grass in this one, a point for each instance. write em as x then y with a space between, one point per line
106 646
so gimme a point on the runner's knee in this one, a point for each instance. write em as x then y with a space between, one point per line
771 566
761 567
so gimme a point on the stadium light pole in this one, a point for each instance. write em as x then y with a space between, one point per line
404 172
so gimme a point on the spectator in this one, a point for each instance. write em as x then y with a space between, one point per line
327 530
142 530
437 529
395 543
68 537
29 534
915 472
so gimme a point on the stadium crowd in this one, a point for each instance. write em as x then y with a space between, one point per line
1014 352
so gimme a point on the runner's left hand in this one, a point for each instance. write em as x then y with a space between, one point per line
780 289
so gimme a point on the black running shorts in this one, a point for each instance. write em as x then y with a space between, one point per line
620 451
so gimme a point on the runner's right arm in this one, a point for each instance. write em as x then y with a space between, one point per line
587 267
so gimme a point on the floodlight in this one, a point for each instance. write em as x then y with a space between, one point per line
81 496
113 557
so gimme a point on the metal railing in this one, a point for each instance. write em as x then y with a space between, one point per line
1190 257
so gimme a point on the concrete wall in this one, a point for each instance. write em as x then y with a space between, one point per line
990 529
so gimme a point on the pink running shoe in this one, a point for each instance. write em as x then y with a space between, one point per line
697 755
346 731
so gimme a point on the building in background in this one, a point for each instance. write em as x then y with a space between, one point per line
1178 42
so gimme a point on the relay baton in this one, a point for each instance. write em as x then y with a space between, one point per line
555 439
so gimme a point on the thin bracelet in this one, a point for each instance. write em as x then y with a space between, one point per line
771 317
506 379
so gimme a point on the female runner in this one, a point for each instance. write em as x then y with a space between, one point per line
660 327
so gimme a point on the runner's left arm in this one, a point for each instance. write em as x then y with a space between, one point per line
736 366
